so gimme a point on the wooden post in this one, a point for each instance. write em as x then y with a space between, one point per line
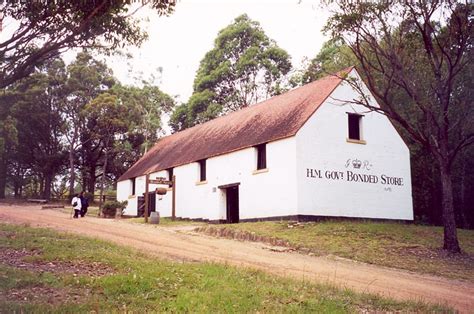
173 206
147 178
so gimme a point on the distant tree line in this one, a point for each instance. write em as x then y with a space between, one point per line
50 119
76 122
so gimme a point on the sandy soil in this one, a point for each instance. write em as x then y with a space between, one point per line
182 245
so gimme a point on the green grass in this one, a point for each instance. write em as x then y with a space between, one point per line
404 246
140 283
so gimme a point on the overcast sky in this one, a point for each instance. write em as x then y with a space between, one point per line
178 43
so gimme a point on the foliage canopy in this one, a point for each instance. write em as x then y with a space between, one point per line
243 68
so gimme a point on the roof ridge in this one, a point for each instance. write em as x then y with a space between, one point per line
247 127
258 103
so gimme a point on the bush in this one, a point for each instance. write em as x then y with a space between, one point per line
110 207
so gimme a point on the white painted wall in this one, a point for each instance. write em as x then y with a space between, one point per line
124 193
286 188
266 194
321 145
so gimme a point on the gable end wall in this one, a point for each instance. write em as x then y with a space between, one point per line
326 176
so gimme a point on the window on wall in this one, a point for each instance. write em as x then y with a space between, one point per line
354 126
170 175
261 156
133 185
202 170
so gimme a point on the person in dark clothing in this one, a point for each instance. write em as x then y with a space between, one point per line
84 203
76 205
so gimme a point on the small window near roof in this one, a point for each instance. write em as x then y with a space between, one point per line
261 156
202 170
354 125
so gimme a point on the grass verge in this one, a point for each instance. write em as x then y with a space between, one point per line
44 271
404 246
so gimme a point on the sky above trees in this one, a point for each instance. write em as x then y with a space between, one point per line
177 43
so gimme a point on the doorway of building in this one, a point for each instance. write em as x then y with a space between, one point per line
151 204
232 204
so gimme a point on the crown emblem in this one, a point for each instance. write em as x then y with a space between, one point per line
356 163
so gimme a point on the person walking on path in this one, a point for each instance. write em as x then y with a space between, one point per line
84 204
76 205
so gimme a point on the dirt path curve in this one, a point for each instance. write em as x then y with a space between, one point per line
175 245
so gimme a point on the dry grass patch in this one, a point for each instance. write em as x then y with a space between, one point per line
31 260
45 295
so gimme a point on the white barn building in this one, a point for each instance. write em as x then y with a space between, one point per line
300 155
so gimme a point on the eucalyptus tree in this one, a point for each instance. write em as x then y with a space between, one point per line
110 119
32 107
41 123
87 79
243 68
8 139
333 56
146 106
418 51
39 30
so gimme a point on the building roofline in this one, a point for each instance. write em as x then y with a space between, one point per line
294 92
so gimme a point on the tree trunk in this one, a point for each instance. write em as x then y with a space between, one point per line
48 180
72 174
84 180
41 187
462 191
16 190
451 243
3 177
92 178
146 143
102 181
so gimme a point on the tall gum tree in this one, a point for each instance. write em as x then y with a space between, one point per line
421 49
110 119
146 106
243 68
40 124
87 78
34 104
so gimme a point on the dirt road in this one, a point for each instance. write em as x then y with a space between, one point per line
169 243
